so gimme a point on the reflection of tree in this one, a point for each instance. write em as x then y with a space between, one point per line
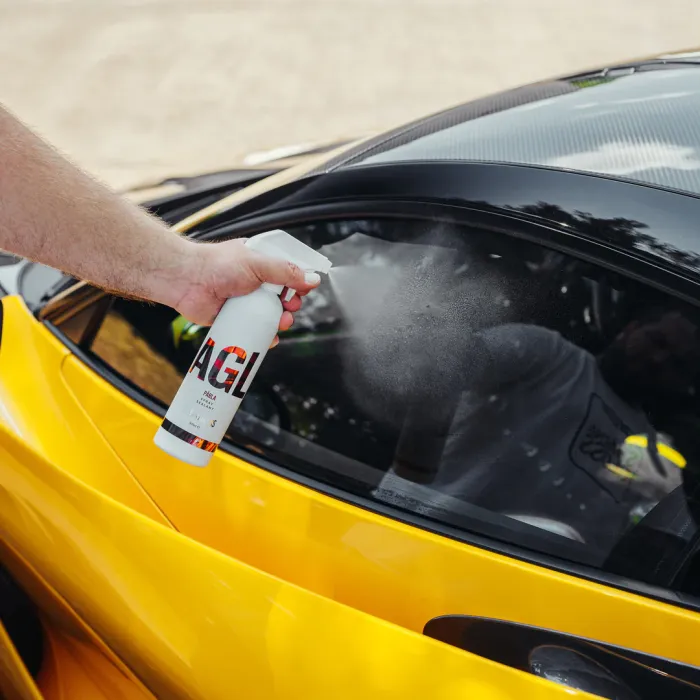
618 231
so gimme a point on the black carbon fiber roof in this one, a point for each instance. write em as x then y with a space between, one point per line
640 124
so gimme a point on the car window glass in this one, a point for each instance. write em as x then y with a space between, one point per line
473 380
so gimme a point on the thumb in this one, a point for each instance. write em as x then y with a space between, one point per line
276 271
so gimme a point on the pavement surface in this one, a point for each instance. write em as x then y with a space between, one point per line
135 90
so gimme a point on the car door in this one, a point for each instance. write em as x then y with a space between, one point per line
333 473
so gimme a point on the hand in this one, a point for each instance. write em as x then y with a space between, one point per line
215 272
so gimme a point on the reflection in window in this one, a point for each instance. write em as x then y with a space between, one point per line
477 380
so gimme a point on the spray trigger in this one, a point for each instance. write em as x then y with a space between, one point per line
279 244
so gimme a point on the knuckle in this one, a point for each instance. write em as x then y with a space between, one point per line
293 270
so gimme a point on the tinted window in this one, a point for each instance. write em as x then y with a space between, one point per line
473 380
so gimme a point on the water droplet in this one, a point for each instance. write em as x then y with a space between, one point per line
306 404
558 482
313 401
564 290
493 398
569 496
545 466
494 256
507 432
530 450
582 506
352 421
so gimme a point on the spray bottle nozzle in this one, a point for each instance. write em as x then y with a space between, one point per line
280 244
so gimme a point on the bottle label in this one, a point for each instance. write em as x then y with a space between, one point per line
216 374
214 386
189 438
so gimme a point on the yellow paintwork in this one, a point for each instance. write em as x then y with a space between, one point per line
63 626
193 623
41 409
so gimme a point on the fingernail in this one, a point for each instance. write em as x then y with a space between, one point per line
312 278
275 343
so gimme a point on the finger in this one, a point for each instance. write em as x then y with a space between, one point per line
275 342
293 305
286 321
275 271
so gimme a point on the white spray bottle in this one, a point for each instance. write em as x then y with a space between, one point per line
230 356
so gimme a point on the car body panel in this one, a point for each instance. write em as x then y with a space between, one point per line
194 623
64 433
63 627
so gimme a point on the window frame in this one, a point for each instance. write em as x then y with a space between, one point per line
501 223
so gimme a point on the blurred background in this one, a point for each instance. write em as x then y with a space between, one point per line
136 90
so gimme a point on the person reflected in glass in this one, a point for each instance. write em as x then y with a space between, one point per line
531 425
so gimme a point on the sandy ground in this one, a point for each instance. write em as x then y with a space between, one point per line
139 89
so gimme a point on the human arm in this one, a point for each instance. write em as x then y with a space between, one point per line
53 213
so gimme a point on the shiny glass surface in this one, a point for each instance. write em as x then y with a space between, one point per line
640 126
473 380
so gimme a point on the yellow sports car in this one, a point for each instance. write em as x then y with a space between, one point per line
468 471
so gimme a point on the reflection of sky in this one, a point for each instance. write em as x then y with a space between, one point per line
623 158
645 127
